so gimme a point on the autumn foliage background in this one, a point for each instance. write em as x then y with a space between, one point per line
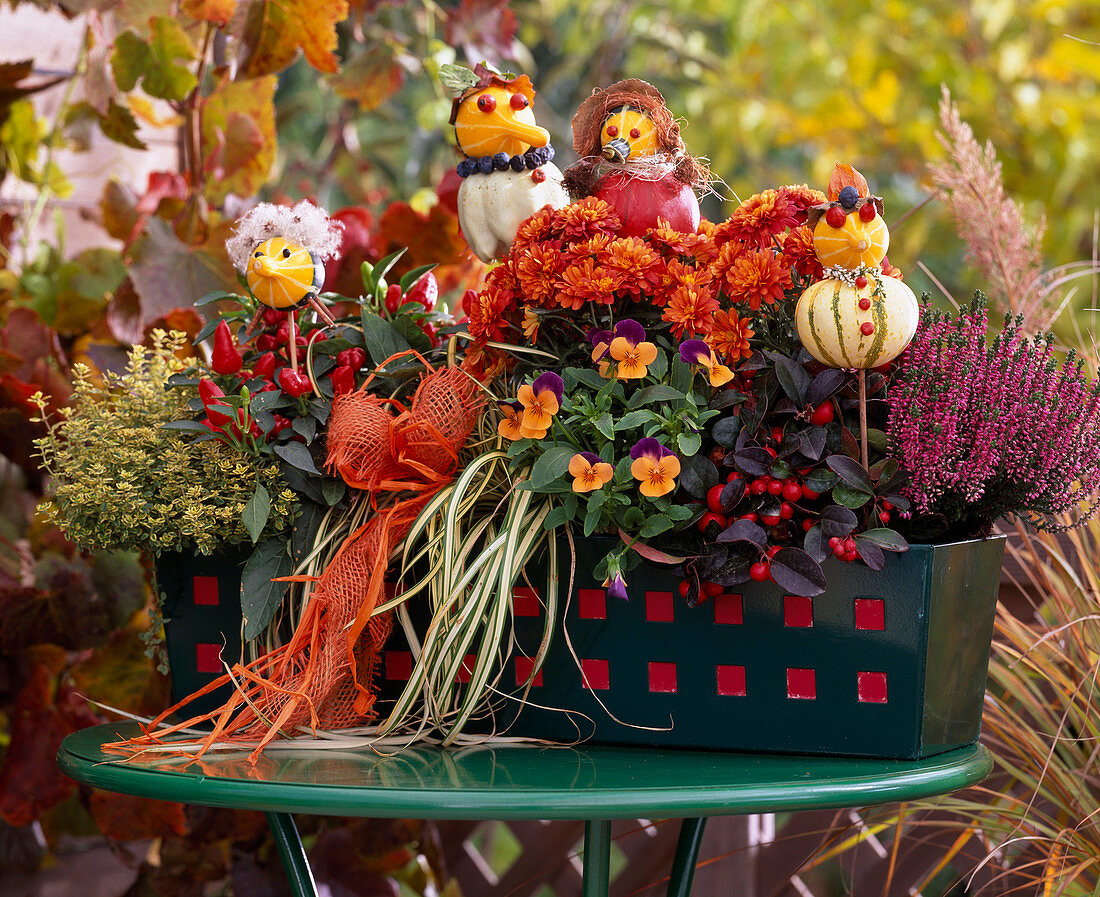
338 101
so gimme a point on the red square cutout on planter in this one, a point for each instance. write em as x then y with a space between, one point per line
597 674
871 687
662 677
731 680
801 684
592 604
399 665
208 658
727 610
525 602
466 671
659 607
524 665
205 590
870 614
798 611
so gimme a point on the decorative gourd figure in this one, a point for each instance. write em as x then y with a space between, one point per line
632 157
507 174
281 252
855 316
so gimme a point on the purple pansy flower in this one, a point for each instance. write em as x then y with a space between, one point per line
648 447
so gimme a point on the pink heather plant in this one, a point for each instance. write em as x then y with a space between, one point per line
992 430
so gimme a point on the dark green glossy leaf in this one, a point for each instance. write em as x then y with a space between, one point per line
886 539
743 531
796 572
697 475
298 456
843 494
260 597
256 511
851 472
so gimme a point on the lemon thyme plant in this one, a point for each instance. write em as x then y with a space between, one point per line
123 481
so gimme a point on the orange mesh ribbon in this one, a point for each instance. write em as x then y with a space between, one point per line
323 676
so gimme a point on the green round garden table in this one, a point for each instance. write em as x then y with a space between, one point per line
594 784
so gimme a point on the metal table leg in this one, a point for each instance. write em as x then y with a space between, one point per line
597 858
293 855
687 853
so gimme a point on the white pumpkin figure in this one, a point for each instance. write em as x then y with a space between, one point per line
507 174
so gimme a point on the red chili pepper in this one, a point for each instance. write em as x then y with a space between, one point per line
393 298
226 358
294 383
282 335
265 342
210 392
343 380
281 423
425 291
429 332
353 358
264 366
273 317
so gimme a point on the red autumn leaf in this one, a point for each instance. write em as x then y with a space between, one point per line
122 817
123 315
162 185
30 782
485 29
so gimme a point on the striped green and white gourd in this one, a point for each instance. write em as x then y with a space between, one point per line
831 323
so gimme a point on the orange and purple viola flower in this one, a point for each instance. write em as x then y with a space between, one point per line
510 424
654 466
541 400
631 352
615 585
697 352
589 472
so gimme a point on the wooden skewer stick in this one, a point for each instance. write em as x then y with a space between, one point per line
292 343
863 418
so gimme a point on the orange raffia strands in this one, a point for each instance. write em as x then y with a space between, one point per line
322 678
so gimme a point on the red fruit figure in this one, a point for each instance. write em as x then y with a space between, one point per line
835 216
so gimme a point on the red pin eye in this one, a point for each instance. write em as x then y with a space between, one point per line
612 130
518 101
635 133
486 102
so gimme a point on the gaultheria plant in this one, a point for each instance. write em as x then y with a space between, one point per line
988 430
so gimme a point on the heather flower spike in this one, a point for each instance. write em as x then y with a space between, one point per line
697 352
510 424
655 467
631 352
589 472
541 401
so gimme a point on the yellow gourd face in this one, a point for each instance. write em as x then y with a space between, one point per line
628 133
845 326
856 244
497 120
283 275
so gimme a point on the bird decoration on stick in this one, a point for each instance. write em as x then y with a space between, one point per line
856 316
633 157
507 173
281 252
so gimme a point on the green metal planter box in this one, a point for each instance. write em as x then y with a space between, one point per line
201 603
886 664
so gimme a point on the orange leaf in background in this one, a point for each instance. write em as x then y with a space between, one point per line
122 817
845 176
217 11
274 31
430 237
238 137
371 77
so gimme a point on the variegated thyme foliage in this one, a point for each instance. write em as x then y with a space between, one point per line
993 430
122 481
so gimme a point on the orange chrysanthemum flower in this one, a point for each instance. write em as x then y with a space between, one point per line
639 265
512 417
530 325
537 272
589 472
730 336
756 277
589 216
691 311
539 228
594 247
672 243
759 219
487 312
585 281
677 274
798 253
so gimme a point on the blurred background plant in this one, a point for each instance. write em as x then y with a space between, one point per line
218 101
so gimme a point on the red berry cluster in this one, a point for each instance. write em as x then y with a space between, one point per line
425 292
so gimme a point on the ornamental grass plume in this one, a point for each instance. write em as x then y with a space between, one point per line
993 430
